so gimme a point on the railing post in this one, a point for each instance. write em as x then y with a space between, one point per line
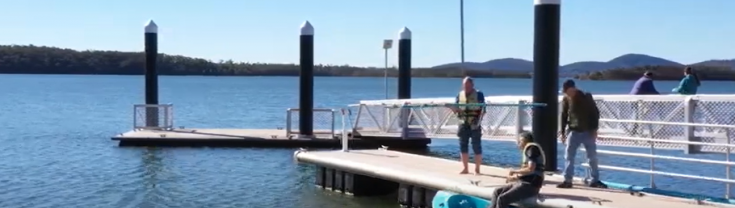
520 117
386 118
652 182
405 118
166 116
727 157
689 113
345 137
288 122
172 115
333 124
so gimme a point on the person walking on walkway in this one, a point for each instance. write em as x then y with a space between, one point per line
581 115
689 84
470 130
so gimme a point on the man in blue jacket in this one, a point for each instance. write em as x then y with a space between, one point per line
644 85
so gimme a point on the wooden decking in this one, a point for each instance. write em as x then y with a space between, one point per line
443 174
254 138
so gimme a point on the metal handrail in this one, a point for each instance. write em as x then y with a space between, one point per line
652 156
168 115
289 118
668 123
667 141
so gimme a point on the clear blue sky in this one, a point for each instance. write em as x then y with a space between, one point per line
351 32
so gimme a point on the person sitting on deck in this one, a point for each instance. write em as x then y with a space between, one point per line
644 85
526 182
689 84
469 128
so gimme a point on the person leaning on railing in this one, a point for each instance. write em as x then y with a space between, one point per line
470 130
581 115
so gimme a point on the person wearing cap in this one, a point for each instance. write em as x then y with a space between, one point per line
579 113
470 130
526 182
644 85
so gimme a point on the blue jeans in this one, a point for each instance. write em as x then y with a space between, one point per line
574 140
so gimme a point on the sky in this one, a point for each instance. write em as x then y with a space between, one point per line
352 32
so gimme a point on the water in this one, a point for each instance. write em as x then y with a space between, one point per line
56 150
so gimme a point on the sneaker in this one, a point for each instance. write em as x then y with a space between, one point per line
564 185
598 184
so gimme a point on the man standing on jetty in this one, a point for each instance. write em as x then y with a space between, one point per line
580 113
470 130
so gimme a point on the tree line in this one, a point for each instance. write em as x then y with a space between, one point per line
30 59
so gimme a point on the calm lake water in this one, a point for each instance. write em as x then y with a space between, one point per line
56 149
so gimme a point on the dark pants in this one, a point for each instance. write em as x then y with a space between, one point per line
466 135
511 193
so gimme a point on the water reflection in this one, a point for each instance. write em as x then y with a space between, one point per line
152 166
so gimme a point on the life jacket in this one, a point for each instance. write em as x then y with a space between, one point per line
539 170
468 114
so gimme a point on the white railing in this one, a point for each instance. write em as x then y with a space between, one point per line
323 122
503 122
653 143
154 117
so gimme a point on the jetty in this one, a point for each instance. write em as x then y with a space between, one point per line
417 178
694 124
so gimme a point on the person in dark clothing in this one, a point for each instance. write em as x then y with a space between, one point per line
581 115
644 85
525 182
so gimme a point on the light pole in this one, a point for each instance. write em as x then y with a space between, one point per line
461 35
387 44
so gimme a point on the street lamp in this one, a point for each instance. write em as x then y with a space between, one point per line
387 44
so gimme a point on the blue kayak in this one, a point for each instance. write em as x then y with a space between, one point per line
445 199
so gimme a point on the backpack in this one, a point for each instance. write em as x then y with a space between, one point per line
593 111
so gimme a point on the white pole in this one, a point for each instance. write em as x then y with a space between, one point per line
385 75
345 138
387 44
461 34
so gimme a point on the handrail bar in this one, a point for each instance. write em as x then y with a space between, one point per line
653 172
315 109
668 123
289 118
664 157
667 141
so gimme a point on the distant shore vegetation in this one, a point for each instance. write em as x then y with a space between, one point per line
30 59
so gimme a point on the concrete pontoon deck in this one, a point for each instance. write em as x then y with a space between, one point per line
254 138
443 174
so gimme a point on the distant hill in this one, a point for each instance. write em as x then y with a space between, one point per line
510 64
719 63
624 61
